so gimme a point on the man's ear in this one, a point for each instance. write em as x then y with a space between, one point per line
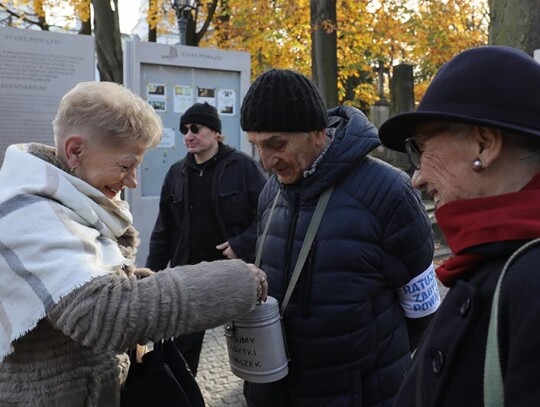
320 137
73 148
489 144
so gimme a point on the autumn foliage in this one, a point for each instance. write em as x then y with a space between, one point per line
425 33
276 33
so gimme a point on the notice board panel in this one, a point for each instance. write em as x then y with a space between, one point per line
171 90
36 69
171 79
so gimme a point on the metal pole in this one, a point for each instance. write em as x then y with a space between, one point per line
182 26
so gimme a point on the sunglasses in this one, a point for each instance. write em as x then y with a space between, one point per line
413 150
192 128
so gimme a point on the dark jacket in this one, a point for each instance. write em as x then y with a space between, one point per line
238 180
448 369
345 328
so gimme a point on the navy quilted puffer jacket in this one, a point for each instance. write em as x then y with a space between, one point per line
346 330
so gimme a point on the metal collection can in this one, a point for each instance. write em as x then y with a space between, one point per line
255 344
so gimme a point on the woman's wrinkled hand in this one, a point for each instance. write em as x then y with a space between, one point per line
262 287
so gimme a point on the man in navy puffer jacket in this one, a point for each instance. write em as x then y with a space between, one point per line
367 289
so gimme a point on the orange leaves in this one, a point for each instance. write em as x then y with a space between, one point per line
275 32
425 33
441 30
328 26
153 15
81 8
38 7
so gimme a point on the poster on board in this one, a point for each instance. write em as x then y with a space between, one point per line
207 95
156 95
167 139
182 98
227 102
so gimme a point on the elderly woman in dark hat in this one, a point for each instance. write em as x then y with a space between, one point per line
71 299
474 142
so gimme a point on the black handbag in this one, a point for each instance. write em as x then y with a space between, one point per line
162 379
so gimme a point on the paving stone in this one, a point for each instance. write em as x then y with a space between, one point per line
220 387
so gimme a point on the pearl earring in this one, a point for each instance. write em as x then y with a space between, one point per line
477 165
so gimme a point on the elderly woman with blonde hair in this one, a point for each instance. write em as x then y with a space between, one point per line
71 299
474 142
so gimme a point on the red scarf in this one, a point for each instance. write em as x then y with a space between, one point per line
472 222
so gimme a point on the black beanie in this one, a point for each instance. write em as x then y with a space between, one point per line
283 100
202 113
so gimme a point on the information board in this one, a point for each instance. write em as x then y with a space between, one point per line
171 78
36 69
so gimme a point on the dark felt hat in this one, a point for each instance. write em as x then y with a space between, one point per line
202 113
283 100
492 86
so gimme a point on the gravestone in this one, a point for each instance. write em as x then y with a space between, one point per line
402 100
380 111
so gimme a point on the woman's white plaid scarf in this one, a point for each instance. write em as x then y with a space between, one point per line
56 233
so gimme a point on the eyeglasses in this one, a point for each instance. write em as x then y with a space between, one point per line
192 128
413 150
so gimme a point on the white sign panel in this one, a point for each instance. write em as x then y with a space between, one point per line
36 69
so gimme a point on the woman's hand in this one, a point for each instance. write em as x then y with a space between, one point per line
262 287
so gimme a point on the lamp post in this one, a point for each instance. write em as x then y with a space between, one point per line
183 8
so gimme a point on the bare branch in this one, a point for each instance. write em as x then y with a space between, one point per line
209 17
41 24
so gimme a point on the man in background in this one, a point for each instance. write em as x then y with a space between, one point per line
207 208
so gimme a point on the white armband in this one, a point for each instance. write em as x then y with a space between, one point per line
420 296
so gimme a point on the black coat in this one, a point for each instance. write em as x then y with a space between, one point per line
345 327
238 181
448 367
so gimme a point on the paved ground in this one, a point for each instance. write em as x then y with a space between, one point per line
220 387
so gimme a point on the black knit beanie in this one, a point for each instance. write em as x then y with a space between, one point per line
202 113
283 100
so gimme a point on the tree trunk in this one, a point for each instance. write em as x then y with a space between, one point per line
43 24
224 19
42 21
108 42
86 26
324 49
515 23
152 32
193 37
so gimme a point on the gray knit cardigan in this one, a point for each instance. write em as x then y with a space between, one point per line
76 355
